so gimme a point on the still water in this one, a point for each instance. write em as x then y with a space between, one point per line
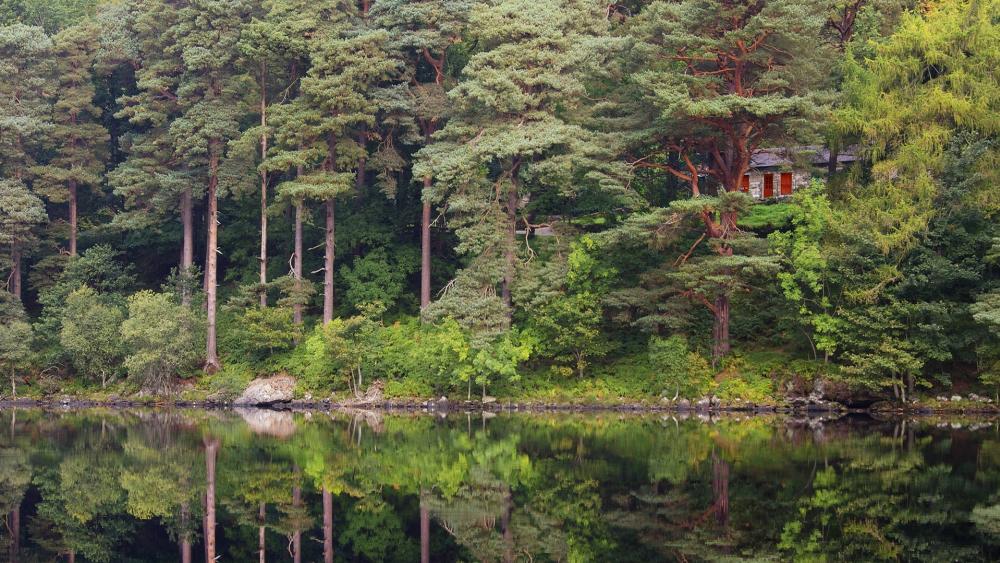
106 485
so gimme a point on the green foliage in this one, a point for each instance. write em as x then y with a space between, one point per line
259 333
807 273
497 360
428 355
229 382
91 334
15 338
683 371
926 84
164 339
378 277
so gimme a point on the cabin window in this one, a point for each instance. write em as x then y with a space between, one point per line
768 185
786 183
745 183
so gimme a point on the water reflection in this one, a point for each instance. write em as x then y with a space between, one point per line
104 485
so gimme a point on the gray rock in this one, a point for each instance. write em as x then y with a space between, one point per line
684 404
268 422
267 391
956 397
487 400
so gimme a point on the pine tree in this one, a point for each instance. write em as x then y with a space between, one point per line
20 212
79 139
516 132
346 63
717 81
153 180
24 63
279 42
424 31
210 99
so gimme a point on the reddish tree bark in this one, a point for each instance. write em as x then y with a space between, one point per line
185 534
262 533
187 244
297 260
297 533
327 526
211 449
425 531
425 249
72 217
263 184
211 265
15 275
328 260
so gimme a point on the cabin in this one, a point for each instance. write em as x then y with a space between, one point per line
778 172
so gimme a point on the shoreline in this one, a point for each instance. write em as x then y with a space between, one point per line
510 407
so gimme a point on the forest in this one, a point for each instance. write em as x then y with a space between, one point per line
560 200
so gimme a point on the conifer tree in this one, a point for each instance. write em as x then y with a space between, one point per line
516 132
24 64
717 81
210 99
79 139
20 212
278 42
423 32
153 180
334 101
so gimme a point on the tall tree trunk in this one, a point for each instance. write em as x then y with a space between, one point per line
187 244
297 262
262 533
508 531
211 448
720 328
297 533
15 274
359 179
425 531
328 264
327 526
425 248
510 253
14 525
263 184
72 218
185 534
211 265
720 489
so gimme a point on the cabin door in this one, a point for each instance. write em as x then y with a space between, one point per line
768 185
786 183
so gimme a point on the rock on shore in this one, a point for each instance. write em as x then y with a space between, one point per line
267 391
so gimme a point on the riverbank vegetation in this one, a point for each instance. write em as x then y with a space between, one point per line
545 199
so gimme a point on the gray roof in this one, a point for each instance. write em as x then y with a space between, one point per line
814 154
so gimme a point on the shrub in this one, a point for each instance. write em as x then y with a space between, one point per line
231 380
15 336
259 333
164 338
91 334
682 371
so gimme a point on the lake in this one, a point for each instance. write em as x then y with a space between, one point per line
176 485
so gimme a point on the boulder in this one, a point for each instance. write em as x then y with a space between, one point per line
267 391
265 422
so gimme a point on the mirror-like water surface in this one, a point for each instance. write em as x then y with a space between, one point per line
103 485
